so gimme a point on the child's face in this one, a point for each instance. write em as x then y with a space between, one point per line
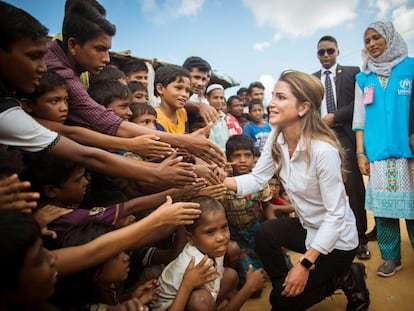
38 275
140 97
73 189
141 76
243 120
93 55
147 120
176 94
257 93
199 80
113 270
274 186
246 97
216 99
22 66
236 107
52 105
256 113
243 161
121 108
212 234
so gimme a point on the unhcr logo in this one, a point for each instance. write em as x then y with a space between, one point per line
405 87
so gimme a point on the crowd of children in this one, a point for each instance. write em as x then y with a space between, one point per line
81 206
114 198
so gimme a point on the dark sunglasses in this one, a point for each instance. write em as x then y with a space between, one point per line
329 51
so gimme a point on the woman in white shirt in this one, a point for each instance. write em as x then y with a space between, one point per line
306 156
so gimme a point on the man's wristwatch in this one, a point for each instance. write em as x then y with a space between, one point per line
306 263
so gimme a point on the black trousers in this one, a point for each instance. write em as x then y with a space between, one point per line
289 233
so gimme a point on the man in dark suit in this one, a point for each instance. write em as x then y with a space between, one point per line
337 111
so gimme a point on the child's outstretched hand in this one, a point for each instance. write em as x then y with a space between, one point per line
47 215
180 213
255 280
214 191
172 172
197 276
207 172
199 145
187 192
13 194
149 146
147 292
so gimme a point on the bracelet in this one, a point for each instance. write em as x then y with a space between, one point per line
358 154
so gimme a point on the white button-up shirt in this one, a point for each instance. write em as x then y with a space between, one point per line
316 189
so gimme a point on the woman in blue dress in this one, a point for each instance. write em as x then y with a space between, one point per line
381 115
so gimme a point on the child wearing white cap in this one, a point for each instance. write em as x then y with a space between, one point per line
219 132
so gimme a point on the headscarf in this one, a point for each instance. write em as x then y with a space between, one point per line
396 50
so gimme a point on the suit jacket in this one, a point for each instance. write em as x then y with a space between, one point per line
345 94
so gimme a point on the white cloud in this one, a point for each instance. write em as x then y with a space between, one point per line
301 17
190 7
260 46
168 10
403 20
385 6
277 36
148 5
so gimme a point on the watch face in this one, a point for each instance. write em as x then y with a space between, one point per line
306 263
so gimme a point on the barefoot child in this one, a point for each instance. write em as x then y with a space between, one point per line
198 273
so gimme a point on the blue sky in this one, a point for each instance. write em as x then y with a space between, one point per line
247 39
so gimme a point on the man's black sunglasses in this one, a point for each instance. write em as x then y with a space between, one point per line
329 51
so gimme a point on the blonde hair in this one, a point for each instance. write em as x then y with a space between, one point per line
307 88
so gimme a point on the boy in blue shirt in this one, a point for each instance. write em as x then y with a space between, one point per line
257 129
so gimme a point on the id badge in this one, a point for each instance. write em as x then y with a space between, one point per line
368 95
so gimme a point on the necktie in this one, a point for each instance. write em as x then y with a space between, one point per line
329 96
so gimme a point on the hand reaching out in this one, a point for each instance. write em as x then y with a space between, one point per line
147 292
174 173
187 192
150 146
180 213
199 145
207 171
48 214
209 113
215 191
12 194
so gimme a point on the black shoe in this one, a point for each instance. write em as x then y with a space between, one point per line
354 286
372 235
363 252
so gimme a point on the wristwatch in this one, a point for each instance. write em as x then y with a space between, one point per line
306 263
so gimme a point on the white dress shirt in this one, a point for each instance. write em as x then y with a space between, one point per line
315 188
